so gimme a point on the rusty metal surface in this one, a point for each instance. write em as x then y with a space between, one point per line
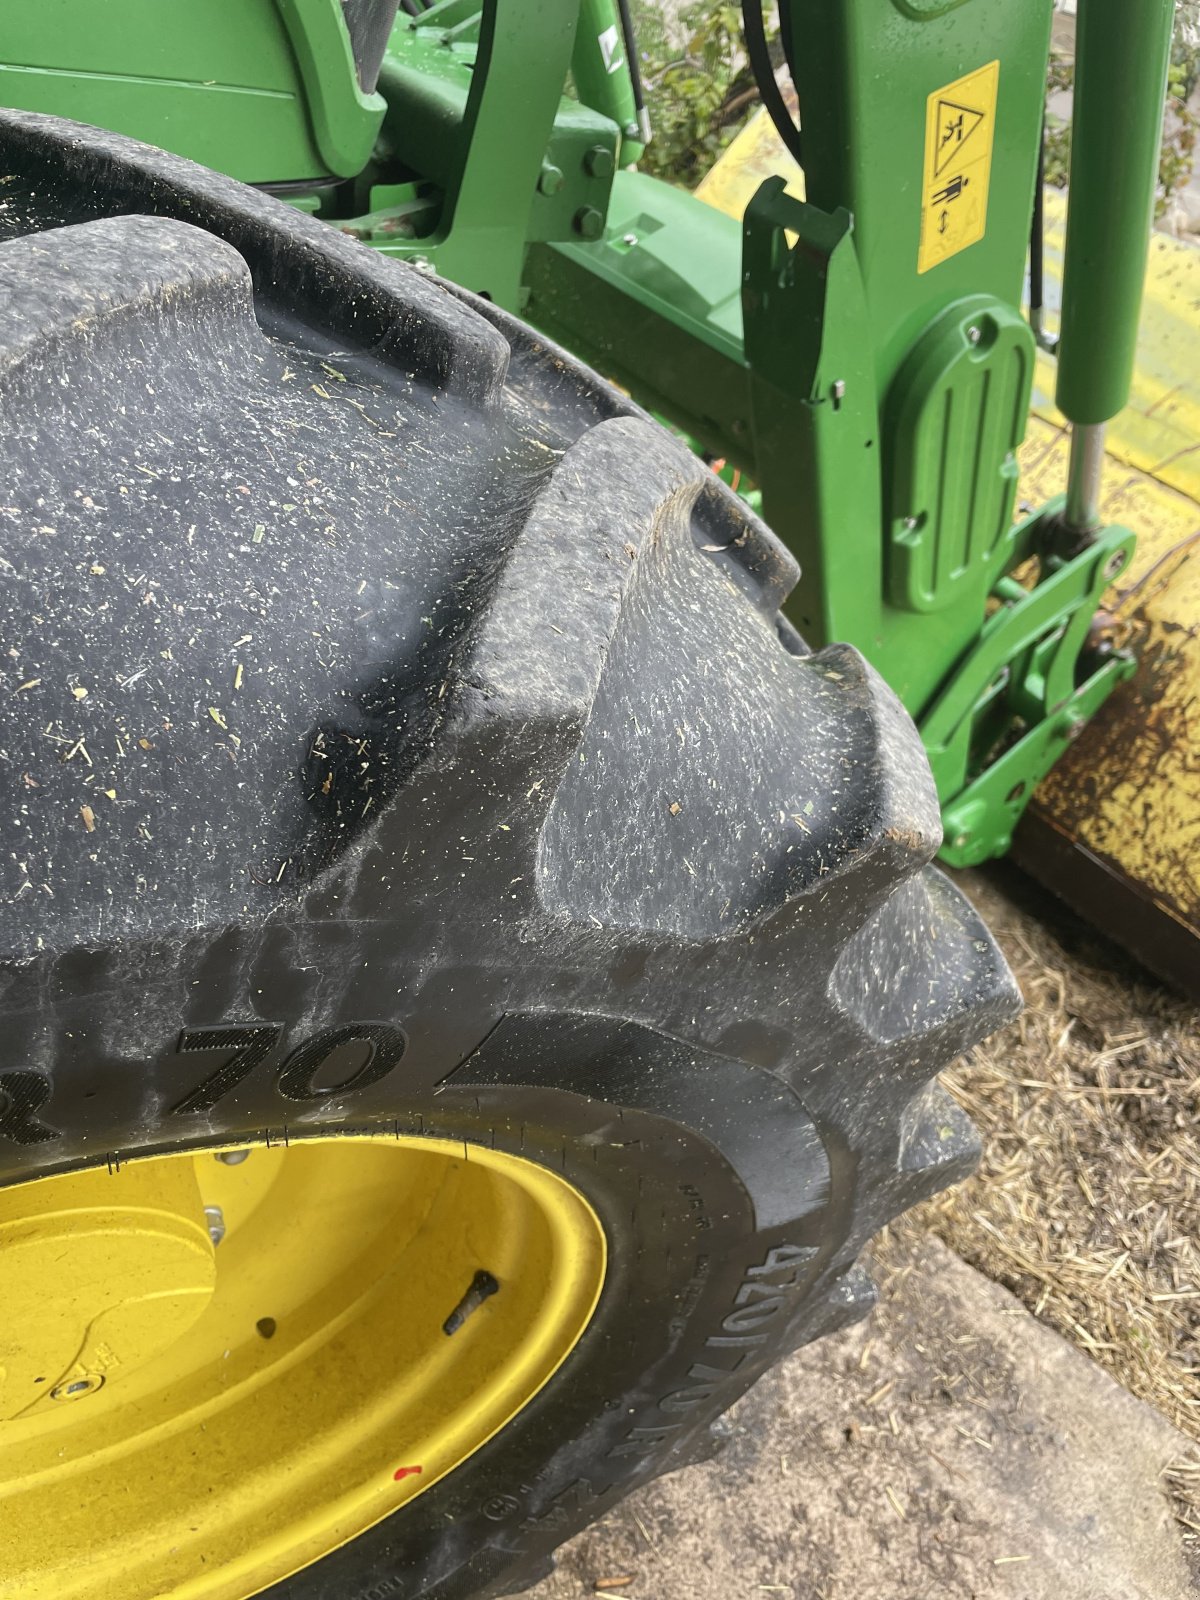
1115 828
1126 795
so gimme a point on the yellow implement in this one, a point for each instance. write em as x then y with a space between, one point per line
1115 829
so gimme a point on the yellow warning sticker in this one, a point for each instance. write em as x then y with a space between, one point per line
960 126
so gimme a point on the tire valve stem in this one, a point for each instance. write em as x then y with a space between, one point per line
482 1285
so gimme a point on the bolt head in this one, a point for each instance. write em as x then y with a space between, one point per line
589 223
232 1158
630 239
550 179
974 334
598 162
215 1218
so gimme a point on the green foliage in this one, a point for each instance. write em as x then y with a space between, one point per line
1180 125
1179 135
1185 48
1060 77
698 94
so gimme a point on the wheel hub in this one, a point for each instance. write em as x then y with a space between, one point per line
201 1420
98 1277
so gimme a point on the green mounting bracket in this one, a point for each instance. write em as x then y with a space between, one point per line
1022 693
900 513
502 156
955 416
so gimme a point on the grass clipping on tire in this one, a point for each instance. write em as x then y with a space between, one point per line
1087 1202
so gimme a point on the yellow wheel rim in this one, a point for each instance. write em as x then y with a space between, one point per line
200 1420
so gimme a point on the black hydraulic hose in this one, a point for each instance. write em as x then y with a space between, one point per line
1037 240
759 56
631 57
786 39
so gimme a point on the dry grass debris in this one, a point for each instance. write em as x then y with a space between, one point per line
1087 1203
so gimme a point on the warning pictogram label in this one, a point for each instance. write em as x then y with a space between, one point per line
960 127
956 124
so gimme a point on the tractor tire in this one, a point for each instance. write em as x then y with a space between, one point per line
402 748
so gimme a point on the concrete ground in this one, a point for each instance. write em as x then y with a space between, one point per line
950 1448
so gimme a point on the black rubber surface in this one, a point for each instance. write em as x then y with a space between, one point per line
399 735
